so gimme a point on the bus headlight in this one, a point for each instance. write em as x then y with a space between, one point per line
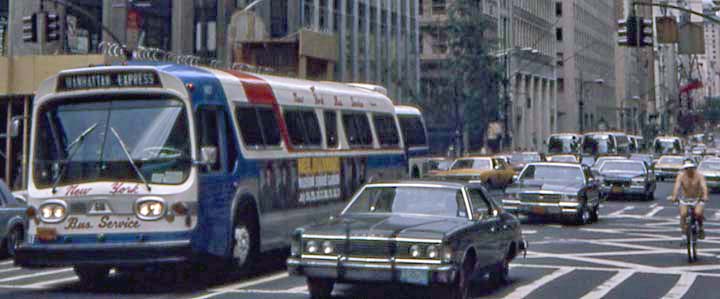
53 211
150 208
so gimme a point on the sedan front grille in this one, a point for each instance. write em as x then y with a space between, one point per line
540 197
370 248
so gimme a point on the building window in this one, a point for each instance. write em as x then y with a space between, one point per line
149 24
439 42
278 18
205 28
558 34
83 34
558 9
438 7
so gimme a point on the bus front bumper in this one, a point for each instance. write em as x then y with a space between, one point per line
62 255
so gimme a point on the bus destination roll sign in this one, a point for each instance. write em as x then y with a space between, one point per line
129 79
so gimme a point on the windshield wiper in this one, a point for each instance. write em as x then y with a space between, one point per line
78 141
130 159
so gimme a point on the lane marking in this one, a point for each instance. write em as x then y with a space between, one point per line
234 287
620 212
652 206
681 287
44 273
654 211
599 261
605 288
607 269
525 290
10 269
49 283
529 232
5 263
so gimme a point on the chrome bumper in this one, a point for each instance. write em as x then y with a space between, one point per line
343 270
541 208
631 190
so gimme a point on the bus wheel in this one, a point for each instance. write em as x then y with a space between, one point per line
92 275
244 242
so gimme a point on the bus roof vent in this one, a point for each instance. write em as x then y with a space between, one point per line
370 87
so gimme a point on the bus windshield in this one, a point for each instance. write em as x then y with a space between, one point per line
667 146
598 144
563 145
82 141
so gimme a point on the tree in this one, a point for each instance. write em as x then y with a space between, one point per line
470 89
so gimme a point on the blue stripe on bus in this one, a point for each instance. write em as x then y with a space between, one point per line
118 238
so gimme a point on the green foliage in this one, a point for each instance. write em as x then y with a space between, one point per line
468 97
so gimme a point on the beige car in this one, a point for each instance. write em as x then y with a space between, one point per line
492 171
668 167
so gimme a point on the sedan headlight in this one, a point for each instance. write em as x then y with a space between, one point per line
328 247
150 208
415 251
311 247
53 211
432 252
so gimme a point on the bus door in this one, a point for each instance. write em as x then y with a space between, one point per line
217 183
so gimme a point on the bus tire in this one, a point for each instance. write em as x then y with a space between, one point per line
92 275
245 239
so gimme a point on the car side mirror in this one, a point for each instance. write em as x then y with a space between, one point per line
208 155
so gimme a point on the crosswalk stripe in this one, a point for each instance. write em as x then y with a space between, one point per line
525 290
10 269
36 274
620 212
234 287
681 286
5 263
605 288
654 211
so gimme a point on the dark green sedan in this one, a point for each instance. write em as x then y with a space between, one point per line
437 234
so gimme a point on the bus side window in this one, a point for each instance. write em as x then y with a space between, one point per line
386 130
331 129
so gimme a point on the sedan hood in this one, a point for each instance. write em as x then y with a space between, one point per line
389 226
546 187
620 175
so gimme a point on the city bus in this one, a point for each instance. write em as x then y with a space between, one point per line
668 145
596 144
415 139
564 143
150 164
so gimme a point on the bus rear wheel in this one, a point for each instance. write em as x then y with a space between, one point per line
245 242
92 275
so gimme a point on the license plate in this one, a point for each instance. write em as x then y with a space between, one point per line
538 210
617 189
46 234
414 276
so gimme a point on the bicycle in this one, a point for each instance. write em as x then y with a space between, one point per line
692 229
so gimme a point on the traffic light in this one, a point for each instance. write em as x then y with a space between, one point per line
29 28
646 33
628 32
52 27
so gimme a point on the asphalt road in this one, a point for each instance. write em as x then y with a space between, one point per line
634 251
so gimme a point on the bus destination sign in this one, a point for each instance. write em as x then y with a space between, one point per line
101 80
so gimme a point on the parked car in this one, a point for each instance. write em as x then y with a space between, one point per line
520 159
667 167
427 233
621 178
12 219
492 172
563 159
564 190
710 168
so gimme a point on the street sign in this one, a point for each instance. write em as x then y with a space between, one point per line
667 30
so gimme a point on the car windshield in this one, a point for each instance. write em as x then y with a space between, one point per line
563 144
525 158
598 144
671 160
709 166
623 166
477 164
552 174
82 139
431 201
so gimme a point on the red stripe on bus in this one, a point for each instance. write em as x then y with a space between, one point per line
259 91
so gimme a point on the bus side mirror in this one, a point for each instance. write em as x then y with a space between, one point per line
209 155
15 127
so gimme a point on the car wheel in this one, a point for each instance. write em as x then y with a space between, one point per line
582 216
461 288
12 241
244 243
92 275
500 274
320 288
650 196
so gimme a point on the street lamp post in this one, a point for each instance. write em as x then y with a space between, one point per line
581 104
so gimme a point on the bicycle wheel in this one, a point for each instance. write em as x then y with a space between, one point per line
690 235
